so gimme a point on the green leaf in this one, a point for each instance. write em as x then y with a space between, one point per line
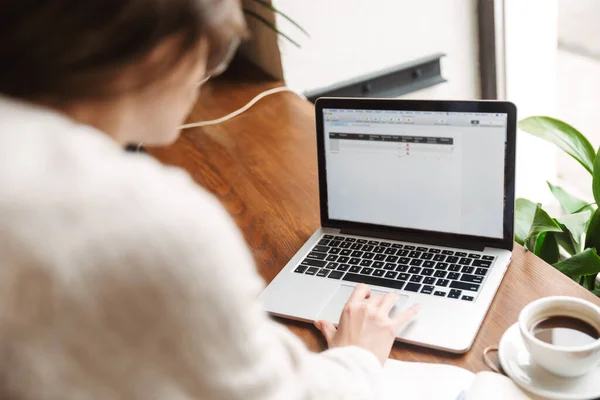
596 178
525 210
278 11
585 263
563 135
590 281
588 206
569 203
592 237
566 241
542 222
596 292
546 247
271 26
575 223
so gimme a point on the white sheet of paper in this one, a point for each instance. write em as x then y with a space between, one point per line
423 381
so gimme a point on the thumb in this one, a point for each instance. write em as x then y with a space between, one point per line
327 329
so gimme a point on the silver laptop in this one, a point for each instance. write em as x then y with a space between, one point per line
416 197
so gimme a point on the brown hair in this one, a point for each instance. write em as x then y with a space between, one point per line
73 49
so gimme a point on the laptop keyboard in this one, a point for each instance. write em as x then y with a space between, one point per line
444 273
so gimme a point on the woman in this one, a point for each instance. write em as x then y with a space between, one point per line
120 278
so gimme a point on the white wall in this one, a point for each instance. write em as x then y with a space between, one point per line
355 37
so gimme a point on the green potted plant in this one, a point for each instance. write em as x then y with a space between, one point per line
570 242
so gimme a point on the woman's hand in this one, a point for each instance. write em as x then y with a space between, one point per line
365 322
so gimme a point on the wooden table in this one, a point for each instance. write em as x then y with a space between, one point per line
263 167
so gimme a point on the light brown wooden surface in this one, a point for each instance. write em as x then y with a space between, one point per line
263 167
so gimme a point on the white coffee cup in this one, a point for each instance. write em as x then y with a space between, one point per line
568 361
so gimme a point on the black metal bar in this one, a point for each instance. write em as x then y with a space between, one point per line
487 49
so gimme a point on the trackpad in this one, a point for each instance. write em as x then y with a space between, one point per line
333 309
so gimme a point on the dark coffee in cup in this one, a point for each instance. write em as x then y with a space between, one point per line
565 331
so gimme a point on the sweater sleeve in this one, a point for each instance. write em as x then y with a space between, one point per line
233 350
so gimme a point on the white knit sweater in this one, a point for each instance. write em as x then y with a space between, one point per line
122 279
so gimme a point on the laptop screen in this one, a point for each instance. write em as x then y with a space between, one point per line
433 171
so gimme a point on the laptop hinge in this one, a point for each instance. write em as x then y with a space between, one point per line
414 238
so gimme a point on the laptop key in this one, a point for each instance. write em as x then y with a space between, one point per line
489 258
335 275
333 265
460 254
402 268
328 236
372 280
435 251
416 262
324 242
316 256
441 265
427 289
439 257
439 293
389 266
447 252
374 242
378 264
391 251
402 253
429 281
368 247
481 271
356 246
422 249
427 256
453 275
351 240
465 261
385 244
397 245
346 252
429 264
440 274
357 253
332 258
312 271
343 259
366 263
322 249
482 263
403 276
464 286
414 270
335 243
391 274
474 255
442 282
471 278
323 272
378 272
452 259
366 271
343 267
314 263
416 278
414 254
467 298
391 259
454 268
427 272
354 261
340 238
345 245
403 260
368 256
409 247
467 270
300 269
379 249
412 287
380 257
334 250
361 241
355 269
454 294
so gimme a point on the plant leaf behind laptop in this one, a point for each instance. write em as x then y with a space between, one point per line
569 242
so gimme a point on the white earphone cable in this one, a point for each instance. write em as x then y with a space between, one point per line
241 110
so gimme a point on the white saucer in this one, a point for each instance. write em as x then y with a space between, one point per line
517 364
